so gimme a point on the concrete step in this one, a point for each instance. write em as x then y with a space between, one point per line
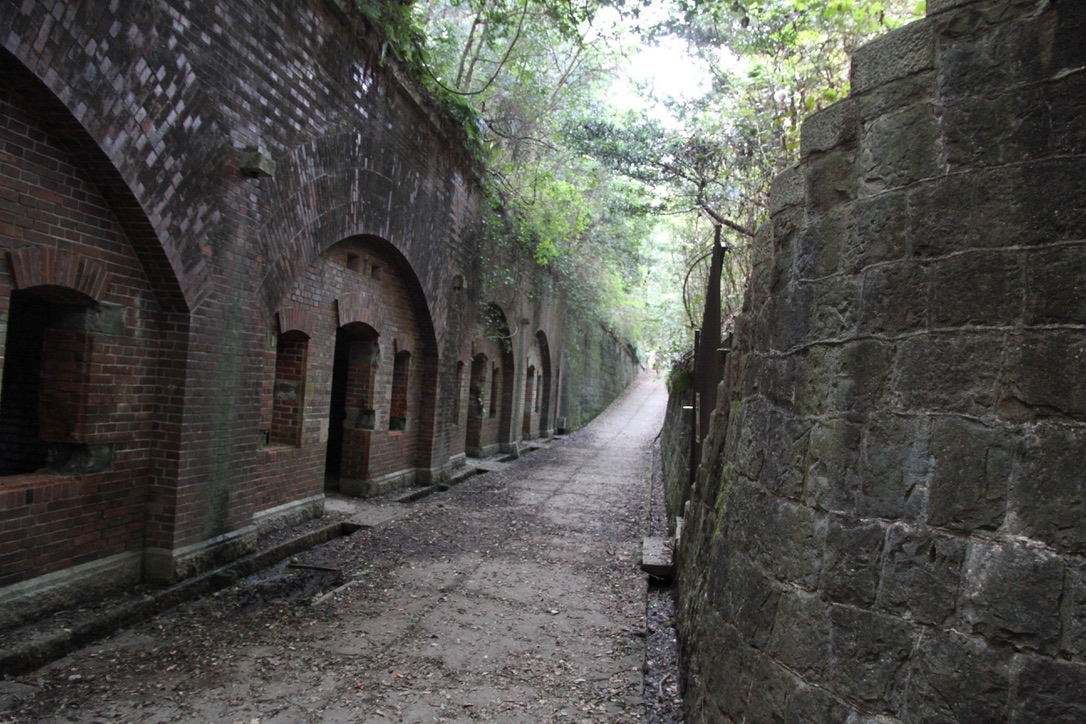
656 557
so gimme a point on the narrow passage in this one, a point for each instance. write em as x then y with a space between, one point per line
513 597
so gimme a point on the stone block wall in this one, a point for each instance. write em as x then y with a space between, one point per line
676 439
196 200
888 521
596 367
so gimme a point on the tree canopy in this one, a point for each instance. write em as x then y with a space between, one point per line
621 199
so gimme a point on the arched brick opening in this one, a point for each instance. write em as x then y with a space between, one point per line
47 381
352 417
546 426
92 379
480 402
490 412
368 424
530 388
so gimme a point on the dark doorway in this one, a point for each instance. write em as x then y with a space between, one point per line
351 413
21 448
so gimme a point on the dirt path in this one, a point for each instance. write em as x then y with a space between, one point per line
513 597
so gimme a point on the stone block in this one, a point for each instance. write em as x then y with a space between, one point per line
892 467
844 379
801 635
869 655
902 52
943 214
1068 121
1017 205
983 287
1042 376
783 538
790 310
786 448
852 563
972 470
1011 595
894 298
949 372
864 371
830 128
748 455
656 557
1049 691
808 704
818 389
878 232
742 594
788 189
989 131
831 181
821 245
778 380
921 574
720 665
1068 48
256 163
761 270
899 149
1043 202
786 226
1055 285
918 88
955 678
989 50
836 307
830 479
772 684
1048 496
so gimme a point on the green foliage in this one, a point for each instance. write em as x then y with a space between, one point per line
619 205
679 380
509 72
773 62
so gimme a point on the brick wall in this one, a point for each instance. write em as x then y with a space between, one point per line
82 376
207 185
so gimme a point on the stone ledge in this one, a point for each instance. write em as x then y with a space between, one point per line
656 559
900 53
21 601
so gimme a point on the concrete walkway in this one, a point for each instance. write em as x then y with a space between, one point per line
512 597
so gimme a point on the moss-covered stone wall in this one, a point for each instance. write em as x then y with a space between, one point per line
888 521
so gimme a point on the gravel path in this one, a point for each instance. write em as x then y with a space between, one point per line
513 597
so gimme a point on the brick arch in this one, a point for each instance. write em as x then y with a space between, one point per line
91 280
82 120
339 186
363 282
359 307
35 266
293 319
427 343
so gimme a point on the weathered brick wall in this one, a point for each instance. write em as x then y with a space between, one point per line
206 180
93 400
888 520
